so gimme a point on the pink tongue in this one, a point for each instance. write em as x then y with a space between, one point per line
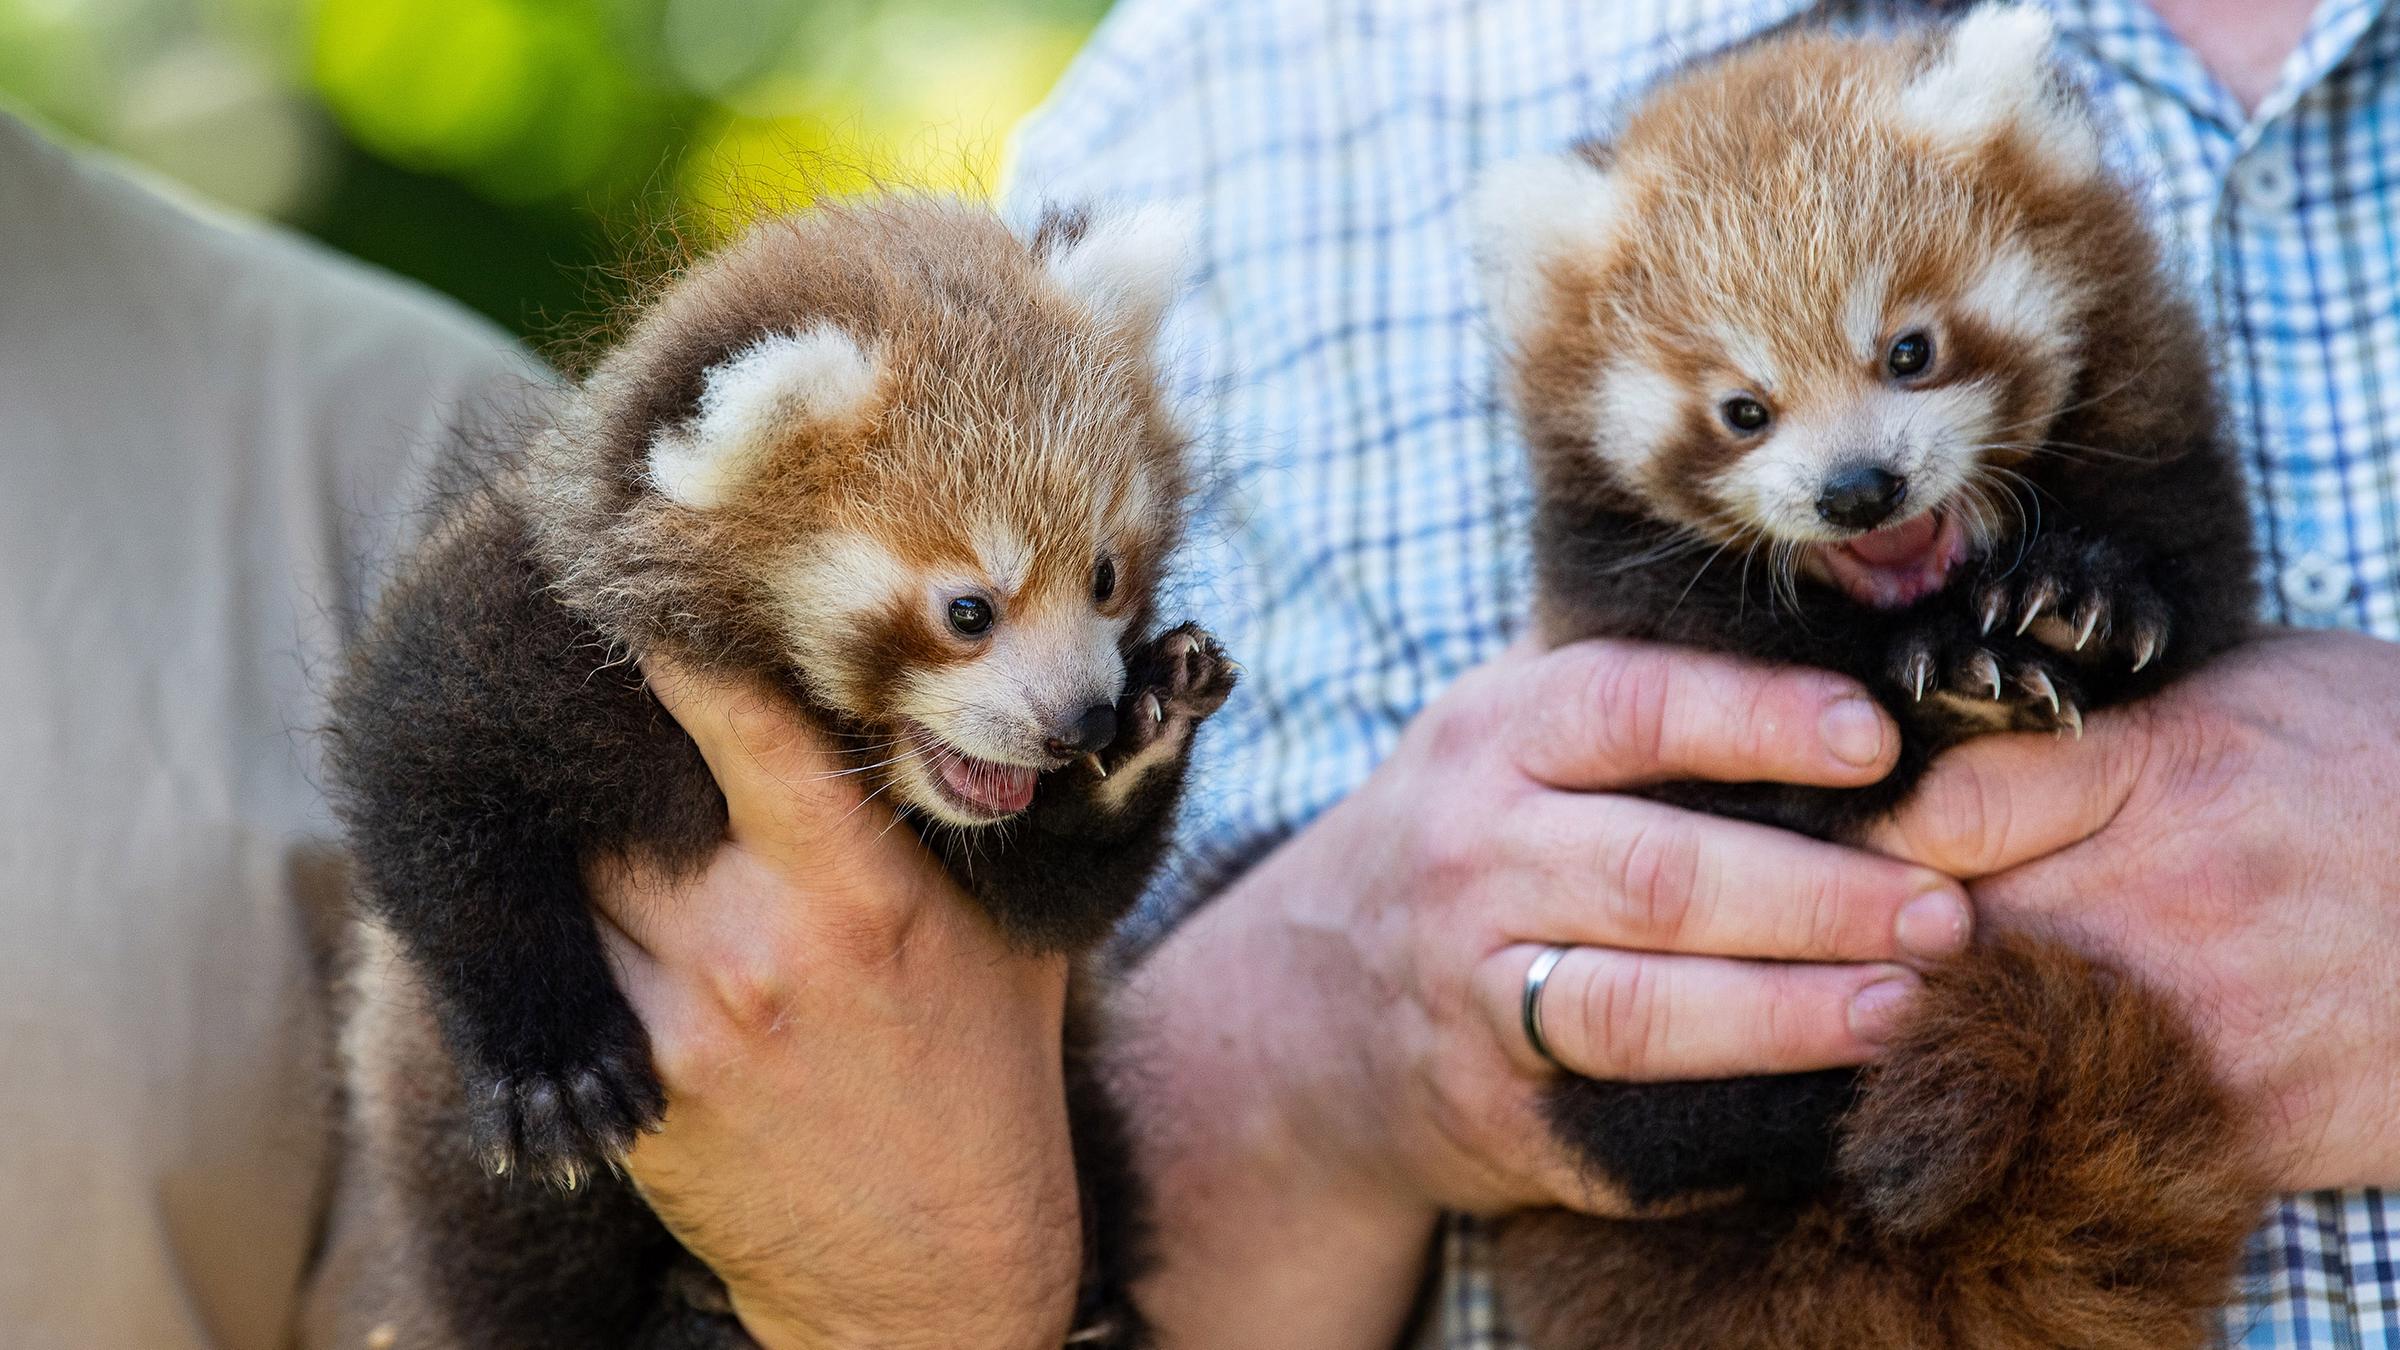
1003 789
1899 544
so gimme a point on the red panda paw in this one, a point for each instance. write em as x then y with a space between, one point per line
564 1126
1171 686
1952 675
2082 598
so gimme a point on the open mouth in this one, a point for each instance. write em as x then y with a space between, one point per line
979 788
1897 565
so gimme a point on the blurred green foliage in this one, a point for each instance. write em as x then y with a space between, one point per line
505 151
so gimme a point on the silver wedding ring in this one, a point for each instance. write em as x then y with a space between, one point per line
1537 975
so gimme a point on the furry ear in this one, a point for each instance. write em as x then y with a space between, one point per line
1126 266
754 399
1530 214
1994 72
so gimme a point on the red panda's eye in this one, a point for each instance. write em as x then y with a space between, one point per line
971 615
1744 415
1104 581
1910 355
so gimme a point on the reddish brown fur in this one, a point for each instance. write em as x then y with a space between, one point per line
2125 1173
998 392
2045 1158
804 452
1725 223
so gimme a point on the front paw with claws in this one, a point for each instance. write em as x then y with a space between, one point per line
1970 681
1171 685
565 1124
2079 597
1100 823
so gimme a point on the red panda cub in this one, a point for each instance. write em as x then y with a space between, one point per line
911 469
1849 353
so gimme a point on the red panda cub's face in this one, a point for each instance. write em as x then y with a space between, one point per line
1822 297
950 495
983 640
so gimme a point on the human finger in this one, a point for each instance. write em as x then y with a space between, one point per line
1646 1017
1604 715
1620 872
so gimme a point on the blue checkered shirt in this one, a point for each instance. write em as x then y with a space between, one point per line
1365 541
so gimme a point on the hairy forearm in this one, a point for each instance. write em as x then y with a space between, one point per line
1261 1240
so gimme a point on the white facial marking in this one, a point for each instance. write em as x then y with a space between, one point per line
829 588
751 401
1862 312
1774 487
1931 437
2015 294
1942 433
1031 676
1129 265
1640 410
1005 555
1750 355
1529 214
1994 74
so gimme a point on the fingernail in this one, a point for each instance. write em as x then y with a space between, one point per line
1933 926
1853 731
1875 1011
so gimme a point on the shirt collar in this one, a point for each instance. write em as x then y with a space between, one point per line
2332 35
2130 37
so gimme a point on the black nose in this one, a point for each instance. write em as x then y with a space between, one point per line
1860 496
1090 732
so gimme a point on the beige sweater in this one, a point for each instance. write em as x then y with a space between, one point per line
210 438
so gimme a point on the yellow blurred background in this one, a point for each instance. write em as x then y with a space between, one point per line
506 150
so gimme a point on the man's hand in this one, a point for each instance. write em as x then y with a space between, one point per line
1330 1053
866 1134
2236 841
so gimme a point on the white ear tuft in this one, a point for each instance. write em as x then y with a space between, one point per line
1529 214
1129 265
2015 37
754 399
1995 73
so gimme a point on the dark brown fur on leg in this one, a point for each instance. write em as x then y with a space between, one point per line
2043 1160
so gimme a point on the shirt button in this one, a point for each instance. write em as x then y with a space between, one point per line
2267 183
2315 583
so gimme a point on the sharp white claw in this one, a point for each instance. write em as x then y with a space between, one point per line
2039 683
1158 711
2034 608
2072 717
2084 630
1995 608
1986 671
1098 769
2145 647
1920 670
